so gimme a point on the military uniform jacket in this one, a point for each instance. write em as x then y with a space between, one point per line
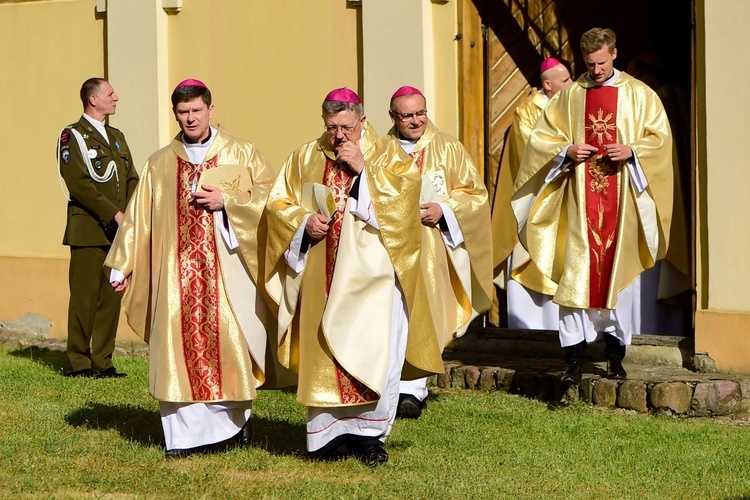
93 204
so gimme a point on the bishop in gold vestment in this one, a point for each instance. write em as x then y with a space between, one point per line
187 252
530 307
594 199
456 257
343 260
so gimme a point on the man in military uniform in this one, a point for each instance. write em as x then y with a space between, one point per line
95 162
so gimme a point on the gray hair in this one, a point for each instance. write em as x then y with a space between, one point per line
334 107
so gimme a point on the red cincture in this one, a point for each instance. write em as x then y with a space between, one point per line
338 179
198 267
602 191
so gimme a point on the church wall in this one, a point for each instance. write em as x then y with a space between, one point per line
47 49
410 42
268 63
723 316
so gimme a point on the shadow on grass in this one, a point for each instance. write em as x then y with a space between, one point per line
134 423
143 426
55 360
279 437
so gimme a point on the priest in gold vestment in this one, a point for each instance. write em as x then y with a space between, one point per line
593 200
456 256
530 308
344 262
186 256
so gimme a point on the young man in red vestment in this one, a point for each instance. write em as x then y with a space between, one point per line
593 200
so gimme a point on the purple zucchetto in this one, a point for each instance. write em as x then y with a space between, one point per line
548 63
406 90
191 82
343 95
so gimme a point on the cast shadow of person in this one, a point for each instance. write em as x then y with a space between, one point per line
279 436
143 426
55 360
134 423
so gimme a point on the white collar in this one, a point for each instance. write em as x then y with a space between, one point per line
197 152
406 144
99 126
609 81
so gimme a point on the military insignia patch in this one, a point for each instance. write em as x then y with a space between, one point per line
65 154
117 144
65 137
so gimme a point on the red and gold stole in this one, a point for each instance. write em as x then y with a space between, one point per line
339 180
601 190
418 156
198 269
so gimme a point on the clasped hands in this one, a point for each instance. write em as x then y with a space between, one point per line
615 152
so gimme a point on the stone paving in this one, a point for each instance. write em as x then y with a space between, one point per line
659 387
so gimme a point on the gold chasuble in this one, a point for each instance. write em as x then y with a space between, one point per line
335 315
596 226
190 296
504 224
459 280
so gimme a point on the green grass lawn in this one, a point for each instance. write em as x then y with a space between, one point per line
65 438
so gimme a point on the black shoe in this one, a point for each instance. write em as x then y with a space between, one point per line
111 372
85 373
245 436
573 373
615 370
177 453
370 454
409 406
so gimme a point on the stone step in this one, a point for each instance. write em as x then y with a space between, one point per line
645 349
657 389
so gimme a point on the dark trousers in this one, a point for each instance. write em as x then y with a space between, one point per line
93 312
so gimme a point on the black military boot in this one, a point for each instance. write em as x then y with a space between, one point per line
574 355
614 353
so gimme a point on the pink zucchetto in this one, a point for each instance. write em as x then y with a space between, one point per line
548 63
406 90
343 95
190 82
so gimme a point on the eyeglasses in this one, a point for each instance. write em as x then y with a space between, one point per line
346 129
405 117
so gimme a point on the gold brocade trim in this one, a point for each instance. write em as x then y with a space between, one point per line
599 170
339 181
199 291
601 252
351 390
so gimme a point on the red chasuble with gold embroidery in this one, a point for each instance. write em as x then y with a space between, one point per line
339 180
199 292
192 300
601 190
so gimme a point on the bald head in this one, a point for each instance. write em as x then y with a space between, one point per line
554 79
